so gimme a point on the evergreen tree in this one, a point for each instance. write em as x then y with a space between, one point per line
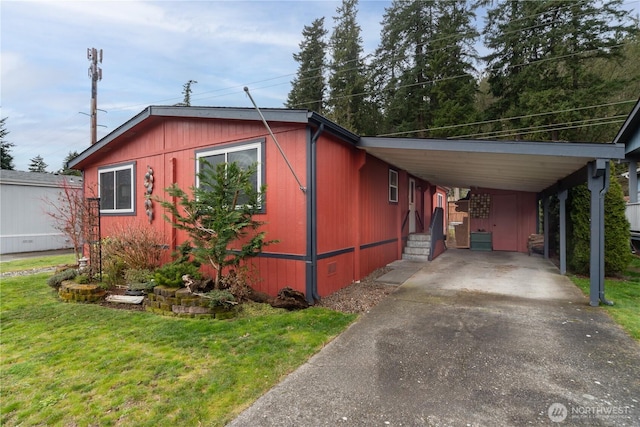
423 67
616 229
542 60
6 159
308 87
186 93
38 165
348 76
65 165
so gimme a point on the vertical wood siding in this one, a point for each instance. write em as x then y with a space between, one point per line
179 139
512 218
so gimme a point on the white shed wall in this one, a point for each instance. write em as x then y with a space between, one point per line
24 224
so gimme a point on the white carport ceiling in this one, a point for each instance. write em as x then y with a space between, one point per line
506 165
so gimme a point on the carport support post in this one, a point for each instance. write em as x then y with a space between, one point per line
598 181
633 181
562 198
545 211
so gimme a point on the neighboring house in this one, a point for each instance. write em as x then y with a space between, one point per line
340 205
25 199
629 135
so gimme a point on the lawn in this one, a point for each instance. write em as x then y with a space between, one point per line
33 263
84 364
625 293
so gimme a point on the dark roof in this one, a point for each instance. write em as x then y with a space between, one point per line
36 178
629 133
282 115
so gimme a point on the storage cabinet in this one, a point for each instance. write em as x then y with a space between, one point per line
481 241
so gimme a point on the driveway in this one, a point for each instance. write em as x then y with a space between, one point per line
471 339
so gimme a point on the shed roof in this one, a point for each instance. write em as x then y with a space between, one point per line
36 178
506 165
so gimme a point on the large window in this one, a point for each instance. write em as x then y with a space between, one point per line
244 155
393 186
116 186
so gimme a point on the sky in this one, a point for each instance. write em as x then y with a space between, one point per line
150 50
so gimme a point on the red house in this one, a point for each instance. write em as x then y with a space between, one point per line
338 212
342 205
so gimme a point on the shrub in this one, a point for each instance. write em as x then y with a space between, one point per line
56 280
220 298
82 279
136 245
134 275
113 268
171 273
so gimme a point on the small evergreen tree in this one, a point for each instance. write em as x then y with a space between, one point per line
6 159
218 216
65 165
38 165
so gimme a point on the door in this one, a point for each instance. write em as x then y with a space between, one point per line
505 222
412 205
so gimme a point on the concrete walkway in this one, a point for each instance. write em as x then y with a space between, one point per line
471 339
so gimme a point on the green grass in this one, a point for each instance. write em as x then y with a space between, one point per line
42 262
625 293
83 364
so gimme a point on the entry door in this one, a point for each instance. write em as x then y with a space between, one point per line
412 205
505 222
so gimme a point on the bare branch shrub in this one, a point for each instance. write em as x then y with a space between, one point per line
131 246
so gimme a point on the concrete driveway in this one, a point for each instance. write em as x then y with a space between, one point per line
471 339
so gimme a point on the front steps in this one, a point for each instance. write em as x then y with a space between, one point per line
418 247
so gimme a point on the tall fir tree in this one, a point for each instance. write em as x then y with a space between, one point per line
6 159
541 61
309 86
423 67
38 165
347 70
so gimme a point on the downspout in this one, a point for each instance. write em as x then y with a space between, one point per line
312 219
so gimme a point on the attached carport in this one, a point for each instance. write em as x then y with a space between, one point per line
544 168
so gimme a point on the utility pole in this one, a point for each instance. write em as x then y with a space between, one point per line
95 74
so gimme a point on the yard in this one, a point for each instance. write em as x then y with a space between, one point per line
84 364
625 293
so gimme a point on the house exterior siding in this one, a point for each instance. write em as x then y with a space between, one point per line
353 230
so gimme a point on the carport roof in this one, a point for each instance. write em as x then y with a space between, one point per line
506 165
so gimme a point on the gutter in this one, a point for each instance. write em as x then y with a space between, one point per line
311 270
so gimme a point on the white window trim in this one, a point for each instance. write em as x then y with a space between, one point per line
231 149
130 166
393 173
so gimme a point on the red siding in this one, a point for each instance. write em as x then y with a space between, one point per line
179 139
512 218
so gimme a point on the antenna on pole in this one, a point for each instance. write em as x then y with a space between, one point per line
95 74
302 187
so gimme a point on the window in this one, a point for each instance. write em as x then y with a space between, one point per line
116 189
440 200
244 155
393 186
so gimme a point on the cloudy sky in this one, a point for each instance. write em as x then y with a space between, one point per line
150 49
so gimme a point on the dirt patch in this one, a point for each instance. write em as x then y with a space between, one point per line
361 296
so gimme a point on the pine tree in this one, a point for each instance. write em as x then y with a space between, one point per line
542 61
308 87
65 165
38 165
423 67
348 76
6 159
